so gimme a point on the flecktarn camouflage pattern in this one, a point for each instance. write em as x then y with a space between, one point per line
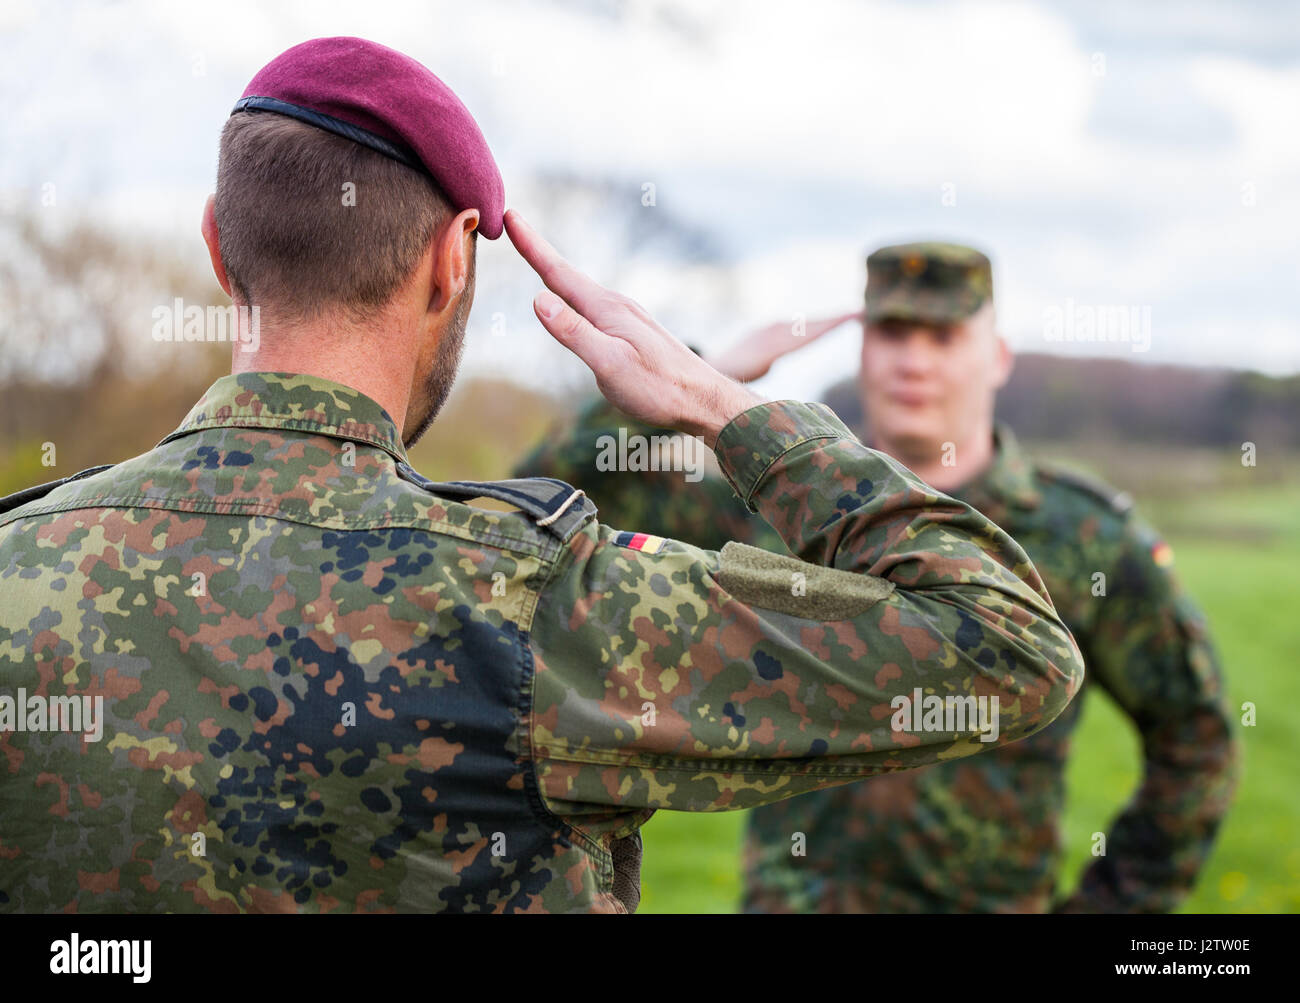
313 680
927 282
983 834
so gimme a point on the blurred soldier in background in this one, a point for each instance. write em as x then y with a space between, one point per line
267 666
981 834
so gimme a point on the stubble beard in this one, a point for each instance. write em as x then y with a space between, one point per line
442 374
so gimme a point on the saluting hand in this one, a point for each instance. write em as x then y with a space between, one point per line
753 355
640 368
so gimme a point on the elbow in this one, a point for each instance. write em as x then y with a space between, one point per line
1046 680
1066 670
1066 673
1221 753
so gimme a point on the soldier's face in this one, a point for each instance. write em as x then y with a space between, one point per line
923 385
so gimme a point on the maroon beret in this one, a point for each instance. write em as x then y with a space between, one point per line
376 96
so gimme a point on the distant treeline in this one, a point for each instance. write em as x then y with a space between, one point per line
1073 399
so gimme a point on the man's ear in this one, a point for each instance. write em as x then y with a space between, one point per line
209 230
453 257
1005 362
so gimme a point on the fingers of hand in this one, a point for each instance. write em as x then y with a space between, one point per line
819 327
588 319
577 289
564 323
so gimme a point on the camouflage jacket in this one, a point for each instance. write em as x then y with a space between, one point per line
983 834
314 680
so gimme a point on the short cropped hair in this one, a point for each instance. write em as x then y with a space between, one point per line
309 222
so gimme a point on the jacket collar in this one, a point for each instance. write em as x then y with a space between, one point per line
1007 480
293 401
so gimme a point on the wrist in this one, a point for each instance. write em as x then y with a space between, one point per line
719 408
755 440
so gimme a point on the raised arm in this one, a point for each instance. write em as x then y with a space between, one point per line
670 676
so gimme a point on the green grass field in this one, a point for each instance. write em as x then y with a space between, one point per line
1237 550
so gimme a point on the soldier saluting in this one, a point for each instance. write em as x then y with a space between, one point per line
981 834
388 699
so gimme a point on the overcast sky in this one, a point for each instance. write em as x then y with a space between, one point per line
1137 154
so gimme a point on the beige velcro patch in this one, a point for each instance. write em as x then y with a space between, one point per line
787 585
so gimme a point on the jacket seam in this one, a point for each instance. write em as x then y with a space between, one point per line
236 507
297 424
749 496
536 801
532 783
736 765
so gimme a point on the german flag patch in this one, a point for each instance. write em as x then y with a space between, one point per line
643 542
1162 554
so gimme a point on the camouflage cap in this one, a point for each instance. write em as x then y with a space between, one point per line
927 282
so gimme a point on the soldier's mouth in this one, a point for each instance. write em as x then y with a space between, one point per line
910 398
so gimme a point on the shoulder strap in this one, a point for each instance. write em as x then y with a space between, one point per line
1119 502
13 501
554 505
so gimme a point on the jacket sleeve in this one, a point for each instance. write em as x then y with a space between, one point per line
676 503
1151 651
696 680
